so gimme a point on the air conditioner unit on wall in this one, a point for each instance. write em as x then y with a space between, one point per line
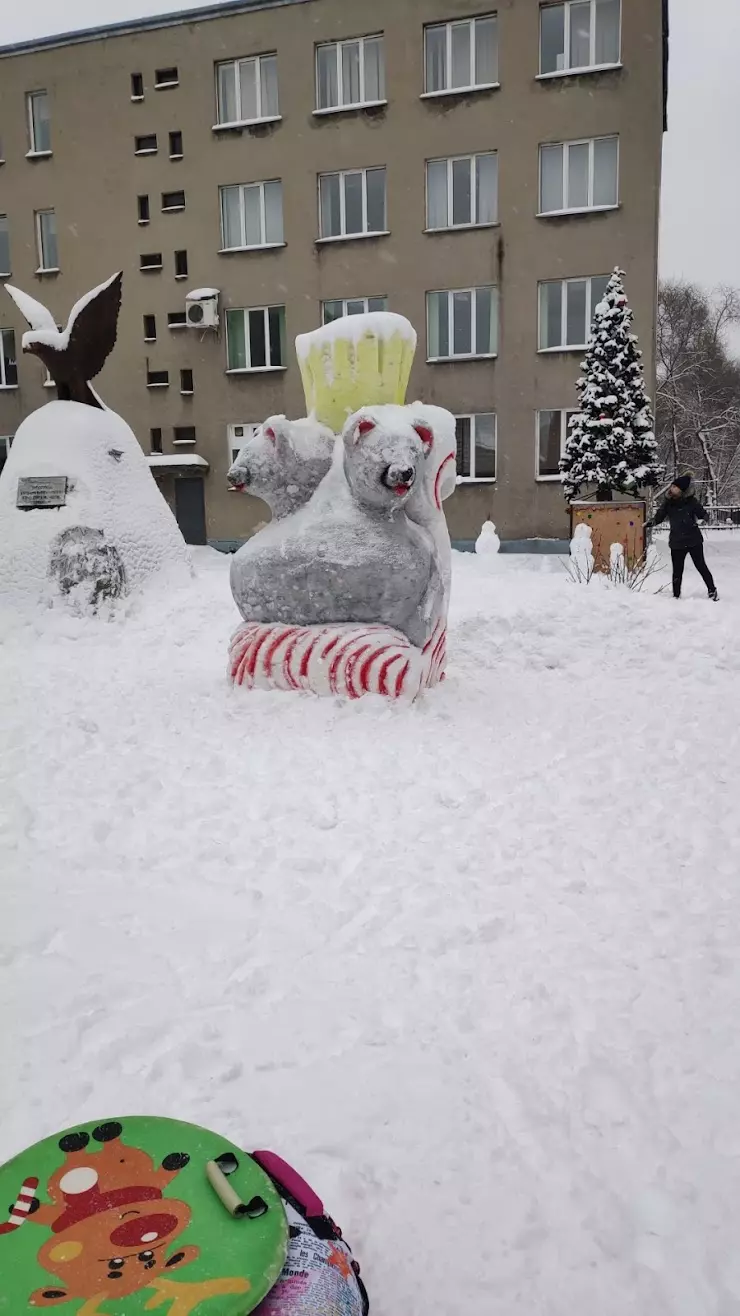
201 308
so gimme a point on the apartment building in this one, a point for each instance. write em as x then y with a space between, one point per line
478 168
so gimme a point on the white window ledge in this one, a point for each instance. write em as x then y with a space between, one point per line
179 155
346 109
150 340
256 370
148 150
186 392
48 269
181 324
184 443
354 237
476 479
38 155
565 347
7 388
142 221
263 246
171 210
459 91
165 86
162 385
548 479
182 276
48 383
6 274
465 228
460 356
150 269
577 210
2 162
137 99
238 124
576 73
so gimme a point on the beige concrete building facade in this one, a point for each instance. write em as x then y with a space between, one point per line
507 155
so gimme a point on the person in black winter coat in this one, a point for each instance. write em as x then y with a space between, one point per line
683 510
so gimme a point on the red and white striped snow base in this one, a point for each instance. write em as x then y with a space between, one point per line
349 660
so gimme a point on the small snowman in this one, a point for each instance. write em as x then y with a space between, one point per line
581 551
488 543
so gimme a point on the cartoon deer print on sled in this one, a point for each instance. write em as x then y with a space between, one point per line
113 1232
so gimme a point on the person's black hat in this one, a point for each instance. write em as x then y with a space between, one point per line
683 482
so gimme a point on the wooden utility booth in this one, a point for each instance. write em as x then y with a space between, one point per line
622 521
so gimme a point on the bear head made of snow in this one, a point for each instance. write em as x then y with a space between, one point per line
385 451
283 463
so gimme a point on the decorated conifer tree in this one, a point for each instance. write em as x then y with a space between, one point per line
611 443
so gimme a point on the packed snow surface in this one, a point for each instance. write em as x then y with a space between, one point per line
472 966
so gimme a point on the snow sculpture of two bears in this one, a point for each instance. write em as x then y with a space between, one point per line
110 528
346 591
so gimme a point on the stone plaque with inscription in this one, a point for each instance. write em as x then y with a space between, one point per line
41 491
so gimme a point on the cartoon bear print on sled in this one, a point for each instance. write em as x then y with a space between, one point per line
125 1225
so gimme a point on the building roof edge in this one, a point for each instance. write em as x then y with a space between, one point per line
221 9
666 43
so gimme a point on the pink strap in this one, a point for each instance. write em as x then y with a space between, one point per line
289 1179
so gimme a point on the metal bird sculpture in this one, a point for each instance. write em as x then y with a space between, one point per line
75 355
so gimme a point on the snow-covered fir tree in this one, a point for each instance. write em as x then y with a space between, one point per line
611 442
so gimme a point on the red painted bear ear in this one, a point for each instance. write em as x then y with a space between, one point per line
269 433
425 434
364 427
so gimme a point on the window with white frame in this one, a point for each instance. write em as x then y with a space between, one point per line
460 56
462 191
39 123
476 446
251 216
350 73
5 445
46 240
462 323
579 175
255 338
579 34
352 203
247 90
334 310
4 246
567 311
8 366
552 436
238 435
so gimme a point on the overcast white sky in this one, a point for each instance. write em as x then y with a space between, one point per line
701 195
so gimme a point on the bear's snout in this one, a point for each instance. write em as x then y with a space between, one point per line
399 478
238 479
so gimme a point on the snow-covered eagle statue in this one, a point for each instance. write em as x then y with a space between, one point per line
81 518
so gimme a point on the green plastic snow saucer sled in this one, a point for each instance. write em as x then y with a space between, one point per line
137 1215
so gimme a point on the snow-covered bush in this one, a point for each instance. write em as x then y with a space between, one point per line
611 443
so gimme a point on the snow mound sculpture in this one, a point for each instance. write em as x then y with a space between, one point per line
346 592
488 544
81 518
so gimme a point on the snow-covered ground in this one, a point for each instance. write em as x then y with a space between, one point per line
472 965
